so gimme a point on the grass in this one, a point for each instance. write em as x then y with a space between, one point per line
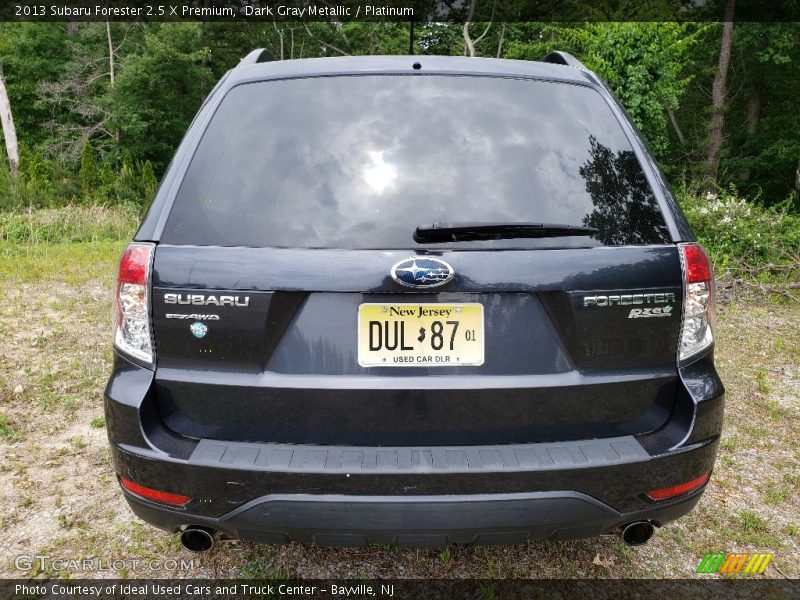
7 431
62 263
58 494
69 224
776 494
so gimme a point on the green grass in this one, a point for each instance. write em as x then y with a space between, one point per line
445 557
64 263
261 567
68 245
748 527
69 224
776 493
7 431
97 423
761 380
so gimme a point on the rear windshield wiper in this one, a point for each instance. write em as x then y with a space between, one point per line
462 232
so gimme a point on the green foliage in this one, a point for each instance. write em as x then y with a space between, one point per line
738 232
48 184
7 431
30 188
32 53
62 94
69 224
159 90
126 185
643 63
88 173
147 181
107 178
766 60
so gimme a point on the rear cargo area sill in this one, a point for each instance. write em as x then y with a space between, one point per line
297 458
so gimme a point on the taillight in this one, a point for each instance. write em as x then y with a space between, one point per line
154 495
697 331
132 303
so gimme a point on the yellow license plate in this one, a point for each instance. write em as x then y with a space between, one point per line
420 335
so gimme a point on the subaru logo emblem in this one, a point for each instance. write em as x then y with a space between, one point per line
198 329
422 272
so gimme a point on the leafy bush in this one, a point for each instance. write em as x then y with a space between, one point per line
69 224
743 235
48 184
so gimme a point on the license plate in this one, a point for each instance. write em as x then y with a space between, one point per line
420 335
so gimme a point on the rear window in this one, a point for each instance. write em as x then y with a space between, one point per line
360 161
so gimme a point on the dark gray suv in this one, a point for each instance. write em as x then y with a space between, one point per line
413 300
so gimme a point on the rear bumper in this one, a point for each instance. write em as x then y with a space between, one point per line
415 520
359 495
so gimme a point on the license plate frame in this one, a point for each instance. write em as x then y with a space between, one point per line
467 337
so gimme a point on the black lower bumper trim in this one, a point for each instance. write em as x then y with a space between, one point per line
415 520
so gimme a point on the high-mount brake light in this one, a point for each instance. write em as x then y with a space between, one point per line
697 329
132 303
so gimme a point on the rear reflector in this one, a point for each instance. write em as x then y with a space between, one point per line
154 495
680 489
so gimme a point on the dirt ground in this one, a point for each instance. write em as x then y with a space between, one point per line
59 498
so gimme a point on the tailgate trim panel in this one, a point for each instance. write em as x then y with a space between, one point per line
301 458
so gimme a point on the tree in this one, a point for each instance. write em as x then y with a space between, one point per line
644 64
624 206
9 131
148 181
32 53
158 90
88 171
761 157
718 97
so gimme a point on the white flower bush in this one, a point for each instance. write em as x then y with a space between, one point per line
741 232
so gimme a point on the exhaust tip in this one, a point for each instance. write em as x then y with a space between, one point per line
197 539
637 533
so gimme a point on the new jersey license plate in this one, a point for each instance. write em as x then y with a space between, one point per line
420 335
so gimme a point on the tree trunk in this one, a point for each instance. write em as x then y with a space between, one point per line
500 43
110 55
9 131
111 72
718 97
468 43
753 116
280 36
674 120
797 178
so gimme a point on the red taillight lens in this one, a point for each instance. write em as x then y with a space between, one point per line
697 265
680 489
697 332
131 302
134 264
154 495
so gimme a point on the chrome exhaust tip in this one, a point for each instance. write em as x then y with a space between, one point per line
637 533
197 539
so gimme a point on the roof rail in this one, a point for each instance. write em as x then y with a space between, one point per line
558 57
252 58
